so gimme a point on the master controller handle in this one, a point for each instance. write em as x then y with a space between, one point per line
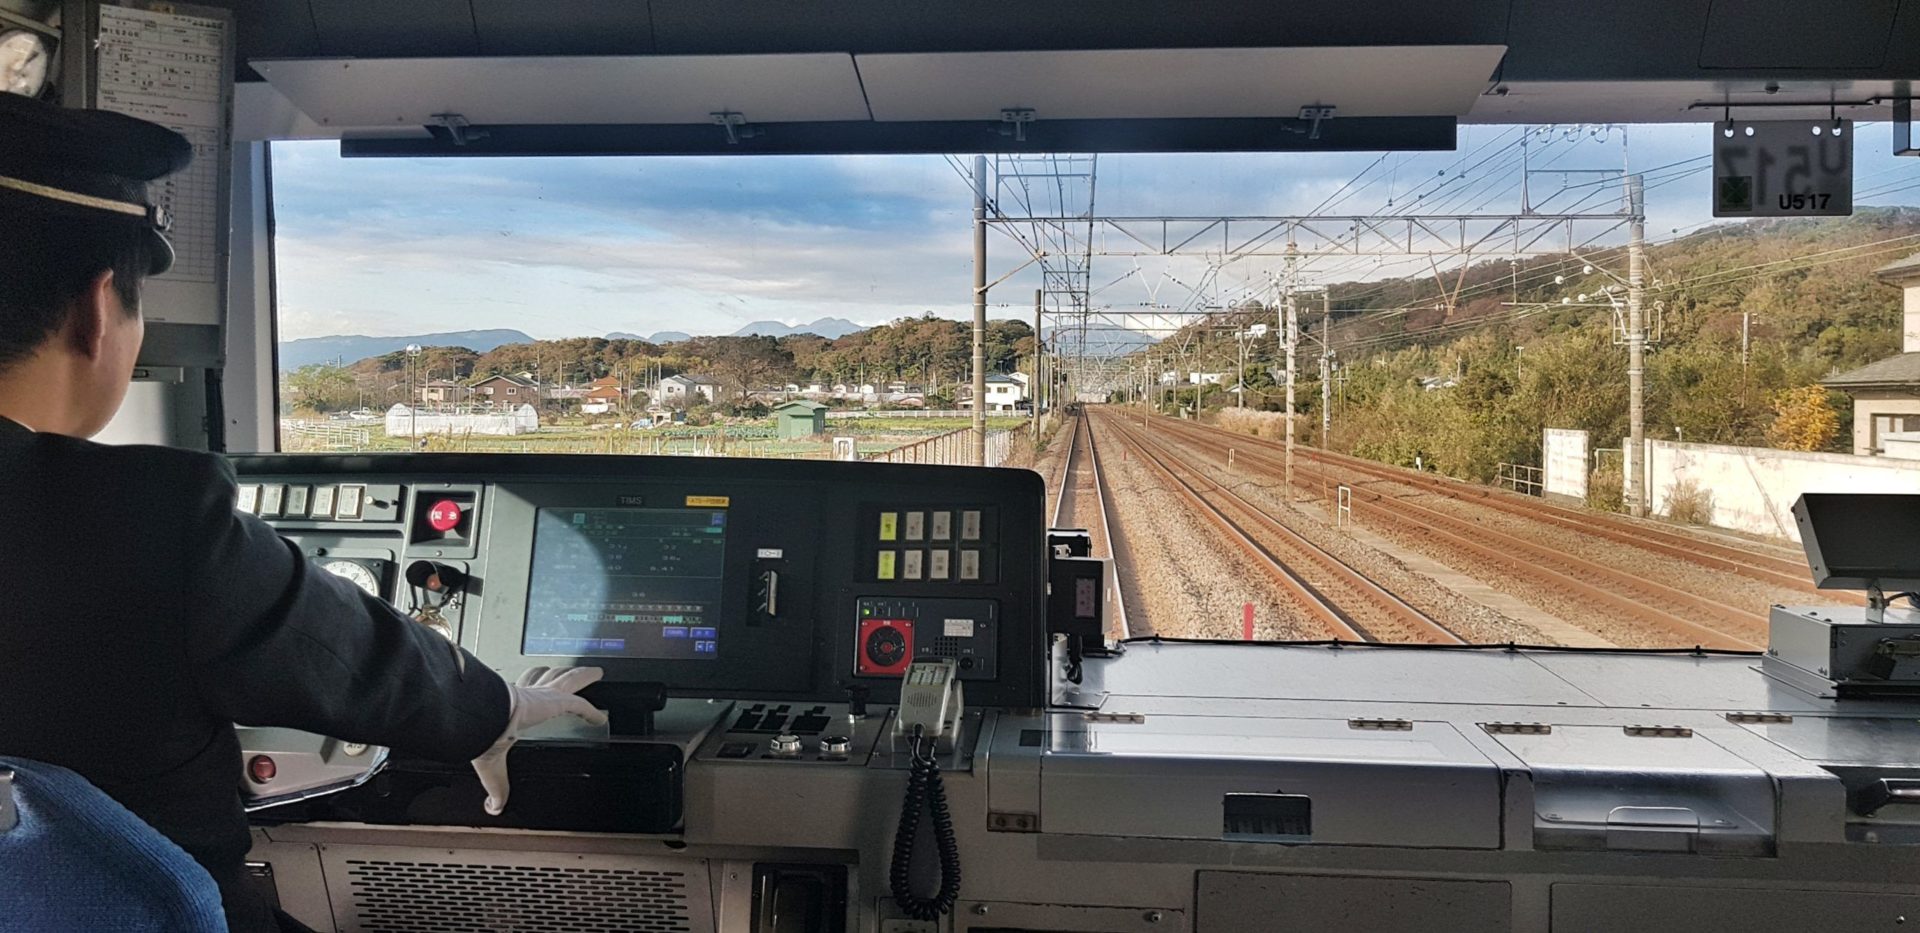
857 701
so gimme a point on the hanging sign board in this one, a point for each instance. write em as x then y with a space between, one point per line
1783 168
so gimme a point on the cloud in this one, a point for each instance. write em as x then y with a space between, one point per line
562 247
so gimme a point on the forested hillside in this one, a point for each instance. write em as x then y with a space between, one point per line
1531 345
923 350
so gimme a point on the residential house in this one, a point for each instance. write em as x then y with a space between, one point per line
442 393
602 396
504 391
1436 383
1206 379
1886 393
687 390
1003 394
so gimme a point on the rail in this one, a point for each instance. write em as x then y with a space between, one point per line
1606 588
1082 436
1359 591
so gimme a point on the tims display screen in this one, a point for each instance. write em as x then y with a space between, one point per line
626 583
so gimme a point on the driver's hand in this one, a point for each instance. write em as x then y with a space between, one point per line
540 695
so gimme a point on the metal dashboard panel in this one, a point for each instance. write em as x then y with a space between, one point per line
1348 674
1847 740
1170 776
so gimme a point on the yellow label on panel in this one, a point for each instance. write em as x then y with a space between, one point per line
708 502
889 525
885 570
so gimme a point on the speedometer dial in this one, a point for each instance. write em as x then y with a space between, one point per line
355 573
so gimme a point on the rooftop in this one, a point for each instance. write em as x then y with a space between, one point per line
1900 268
1901 370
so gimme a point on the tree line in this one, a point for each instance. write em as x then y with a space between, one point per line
933 352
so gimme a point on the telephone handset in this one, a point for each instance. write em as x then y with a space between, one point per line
931 707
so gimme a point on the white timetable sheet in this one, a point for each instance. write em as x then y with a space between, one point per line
172 68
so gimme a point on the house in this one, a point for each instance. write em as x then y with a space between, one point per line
685 390
602 395
1886 393
1205 379
442 392
799 419
1003 394
504 391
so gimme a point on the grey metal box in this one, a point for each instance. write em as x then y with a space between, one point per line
1171 777
1825 649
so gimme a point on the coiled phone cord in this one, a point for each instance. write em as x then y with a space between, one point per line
925 793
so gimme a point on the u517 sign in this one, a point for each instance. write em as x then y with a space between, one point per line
1783 168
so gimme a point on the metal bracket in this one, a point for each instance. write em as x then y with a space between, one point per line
735 123
9 812
458 127
1018 117
1314 114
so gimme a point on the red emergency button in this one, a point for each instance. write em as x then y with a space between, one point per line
261 769
444 516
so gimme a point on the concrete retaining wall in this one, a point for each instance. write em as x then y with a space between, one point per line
1563 454
1754 487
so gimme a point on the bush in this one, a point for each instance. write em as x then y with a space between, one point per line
1603 488
1257 423
1687 502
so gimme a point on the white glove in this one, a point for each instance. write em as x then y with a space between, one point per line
540 695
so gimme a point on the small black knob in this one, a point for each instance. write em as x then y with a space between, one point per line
857 700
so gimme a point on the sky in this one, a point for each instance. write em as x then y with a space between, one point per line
563 247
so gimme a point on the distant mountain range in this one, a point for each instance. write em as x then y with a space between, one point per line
351 348
832 328
665 336
1101 339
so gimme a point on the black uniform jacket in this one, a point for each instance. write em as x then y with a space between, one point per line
141 616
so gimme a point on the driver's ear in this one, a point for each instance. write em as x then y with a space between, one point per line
87 325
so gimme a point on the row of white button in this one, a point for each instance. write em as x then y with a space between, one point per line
278 500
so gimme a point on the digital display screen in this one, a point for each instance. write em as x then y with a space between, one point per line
626 583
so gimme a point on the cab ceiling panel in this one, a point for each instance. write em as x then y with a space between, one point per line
562 27
381 28
669 89
1797 34
860 26
1184 83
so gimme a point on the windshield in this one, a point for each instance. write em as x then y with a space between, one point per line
1367 396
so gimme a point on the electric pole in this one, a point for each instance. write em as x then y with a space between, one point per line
1290 328
1033 403
980 310
1746 322
1326 369
1636 456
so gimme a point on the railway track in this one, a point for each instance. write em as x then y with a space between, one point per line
1602 588
1080 501
1334 595
1772 569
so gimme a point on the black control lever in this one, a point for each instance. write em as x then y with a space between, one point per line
437 578
857 700
630 705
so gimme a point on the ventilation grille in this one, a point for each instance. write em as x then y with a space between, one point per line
458 897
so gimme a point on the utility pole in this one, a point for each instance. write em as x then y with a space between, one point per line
1636 347
980 310
1033 379
1326 369
1291 331
1746 321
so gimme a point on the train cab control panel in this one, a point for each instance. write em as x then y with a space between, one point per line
744 612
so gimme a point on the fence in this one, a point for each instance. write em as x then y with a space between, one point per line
404 422
1520 477
954 448
325 434
902 413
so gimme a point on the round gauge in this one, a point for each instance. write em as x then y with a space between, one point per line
355 573
24 59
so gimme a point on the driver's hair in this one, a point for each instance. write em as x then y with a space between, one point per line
48 258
